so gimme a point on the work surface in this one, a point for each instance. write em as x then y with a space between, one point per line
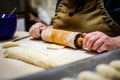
11 68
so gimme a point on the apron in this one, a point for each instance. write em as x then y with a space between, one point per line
84 16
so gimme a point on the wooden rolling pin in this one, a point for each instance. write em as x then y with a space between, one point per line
66 38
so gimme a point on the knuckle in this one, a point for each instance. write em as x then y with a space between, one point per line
94 49
91 40
108 44
105 37
87 36
97 31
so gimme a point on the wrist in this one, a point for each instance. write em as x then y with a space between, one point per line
117 41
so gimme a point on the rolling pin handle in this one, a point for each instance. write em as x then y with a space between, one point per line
80 41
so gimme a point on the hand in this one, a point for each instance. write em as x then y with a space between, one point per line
35 29
99 42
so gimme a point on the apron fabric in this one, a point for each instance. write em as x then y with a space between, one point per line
84 16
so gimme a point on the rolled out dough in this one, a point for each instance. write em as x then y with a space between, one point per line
10 44
67 78
30 56
54 46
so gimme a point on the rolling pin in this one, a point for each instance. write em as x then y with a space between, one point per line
63 37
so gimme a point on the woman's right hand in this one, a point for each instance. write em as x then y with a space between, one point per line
35 29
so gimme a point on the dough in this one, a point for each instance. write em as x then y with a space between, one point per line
30 56
115 64
67 78
54 46
108 71
10 44
88 75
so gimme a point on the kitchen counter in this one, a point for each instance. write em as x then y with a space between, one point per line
12 68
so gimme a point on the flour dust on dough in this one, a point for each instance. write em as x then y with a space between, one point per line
55 46
67 78
30 56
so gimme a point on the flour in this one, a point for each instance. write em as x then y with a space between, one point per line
70 38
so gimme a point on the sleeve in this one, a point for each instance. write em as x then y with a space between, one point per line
113 8
58 2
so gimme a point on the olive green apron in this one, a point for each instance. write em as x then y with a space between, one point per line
92 17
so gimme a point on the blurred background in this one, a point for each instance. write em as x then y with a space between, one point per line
29 11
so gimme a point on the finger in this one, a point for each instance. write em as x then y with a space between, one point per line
91 41
31 32
97 43
86 38
36 31
109 44
39 27
102 48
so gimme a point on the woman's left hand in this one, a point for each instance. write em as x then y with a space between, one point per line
98 41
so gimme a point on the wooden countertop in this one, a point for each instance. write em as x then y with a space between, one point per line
11 68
